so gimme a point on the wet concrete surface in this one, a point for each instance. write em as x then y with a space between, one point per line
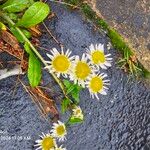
118 121
131 18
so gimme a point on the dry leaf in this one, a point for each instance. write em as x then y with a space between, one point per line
51 15
18 53
35 31
9 38
42 99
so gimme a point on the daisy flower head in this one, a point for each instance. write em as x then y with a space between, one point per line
60 63
97 84
77 112
81 70
60 148
97 56
59 131
47 142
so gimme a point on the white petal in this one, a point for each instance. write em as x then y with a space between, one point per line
96 96
103 66
108 55
106 88
108 64
103 92
50 56
91 47
38 148
103 76
109 58
38 141
101 47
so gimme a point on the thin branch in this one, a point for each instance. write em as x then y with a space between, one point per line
49 32
63 3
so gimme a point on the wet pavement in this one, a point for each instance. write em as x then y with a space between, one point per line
118 121
131 18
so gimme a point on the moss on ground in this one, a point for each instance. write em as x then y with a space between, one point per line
135 67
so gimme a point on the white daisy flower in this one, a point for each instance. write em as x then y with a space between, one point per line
81 70
60 148
97 56
60 62
97 84
47 142
59 131
77 112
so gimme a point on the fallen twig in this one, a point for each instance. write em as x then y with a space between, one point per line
5 73
49 32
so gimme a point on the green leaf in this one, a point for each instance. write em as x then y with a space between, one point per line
31 1
67 83
13 16
70 89
76 94
73 90
73 120
15 5
34 68
18 36
35 14
65 104
2 26
27 48
26 33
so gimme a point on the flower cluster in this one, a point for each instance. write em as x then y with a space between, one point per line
83 71
58 132
48 141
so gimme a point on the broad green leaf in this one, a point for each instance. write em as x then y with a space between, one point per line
65 104
15 5
73 120
35 14
34 68
18 36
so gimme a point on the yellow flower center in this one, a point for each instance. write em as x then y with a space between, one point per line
61 63
60 130
47 143
82 70
98 57
78 111
96 84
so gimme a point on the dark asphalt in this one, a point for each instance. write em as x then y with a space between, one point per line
118 121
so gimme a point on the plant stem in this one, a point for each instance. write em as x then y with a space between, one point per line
35 51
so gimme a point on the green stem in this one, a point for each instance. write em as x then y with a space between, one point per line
35 51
